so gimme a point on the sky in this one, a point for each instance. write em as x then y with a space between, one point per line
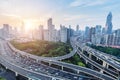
65 12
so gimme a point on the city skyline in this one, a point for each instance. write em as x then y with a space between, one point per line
66 12
59 40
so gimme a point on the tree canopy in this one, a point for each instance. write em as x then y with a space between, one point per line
44 48
108 50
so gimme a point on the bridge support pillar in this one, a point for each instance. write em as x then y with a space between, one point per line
86 61
37 60
118 74
6 68
97 58
105 64
16 74
49 64
77 71
62 68
90 55
101 71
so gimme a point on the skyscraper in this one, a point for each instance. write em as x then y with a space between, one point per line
87 33
46 35
103 30
117 37
49 23
109 24
97 37
69 33
41 35
50 29
63 33
77 28
92 33
6 30
98 29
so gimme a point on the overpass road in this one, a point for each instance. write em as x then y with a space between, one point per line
93 57
28 64
23 63
103 56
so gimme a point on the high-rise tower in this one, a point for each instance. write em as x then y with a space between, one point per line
109 24
49 23
50 29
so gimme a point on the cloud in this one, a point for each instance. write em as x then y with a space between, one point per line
86 3
74 17
111 7
11 16
81 17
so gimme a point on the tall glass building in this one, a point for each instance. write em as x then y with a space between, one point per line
109 24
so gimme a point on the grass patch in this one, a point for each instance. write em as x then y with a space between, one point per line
43 48
1 78
108 50
75 60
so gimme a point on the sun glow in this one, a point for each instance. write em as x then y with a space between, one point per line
28 25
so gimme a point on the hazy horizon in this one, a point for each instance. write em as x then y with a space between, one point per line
66 12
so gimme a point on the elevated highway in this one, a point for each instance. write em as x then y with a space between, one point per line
63 65
102 61
23 63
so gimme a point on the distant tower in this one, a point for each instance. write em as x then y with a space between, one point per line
49 23
6 30
87 32
77 28
50 29
103 30
109 24
63 33
98 29
41 35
